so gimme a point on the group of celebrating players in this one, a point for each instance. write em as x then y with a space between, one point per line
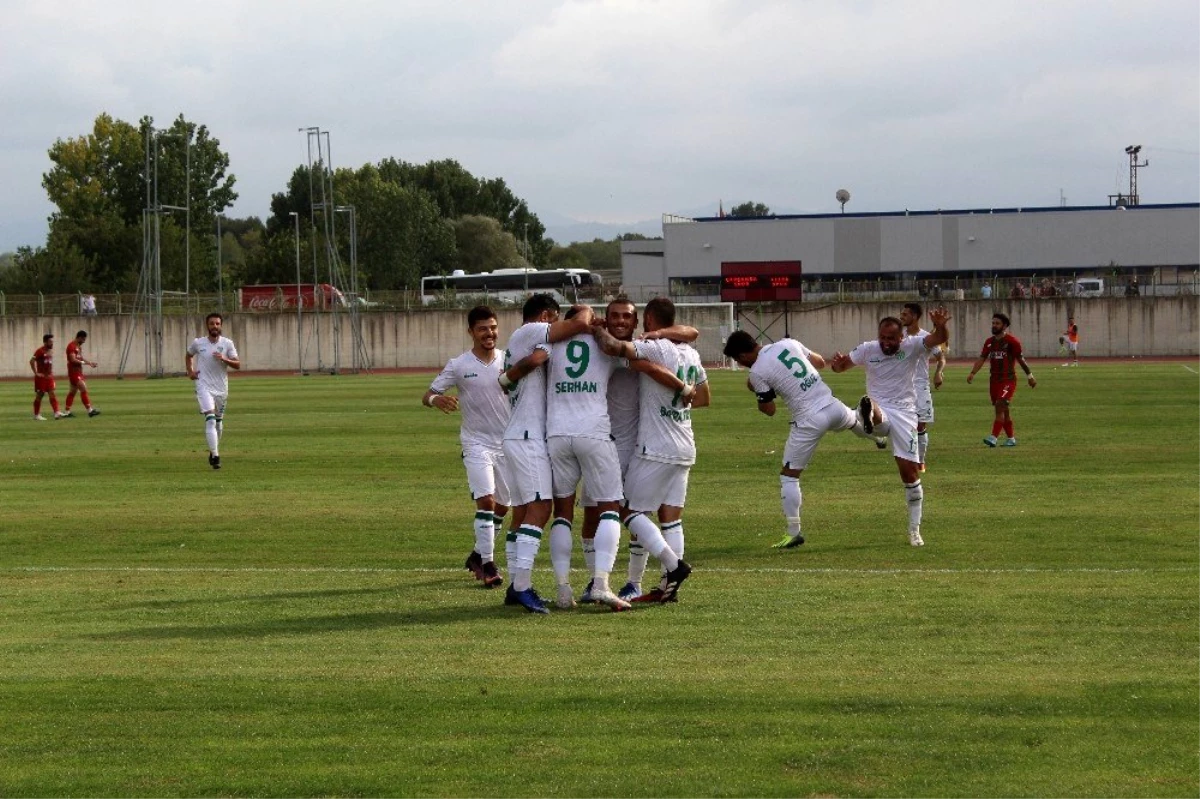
588 410
578 406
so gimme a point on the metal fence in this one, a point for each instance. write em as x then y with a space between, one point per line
1023 287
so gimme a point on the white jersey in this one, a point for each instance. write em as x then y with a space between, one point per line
890 377
784 368
484 405
664 425
528 397
921 376
623 389
577 389
214 374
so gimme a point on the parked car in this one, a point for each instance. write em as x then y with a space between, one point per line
1088 287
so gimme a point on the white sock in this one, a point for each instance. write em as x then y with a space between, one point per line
607 541
485 535
589 554
560 550
637 560
922 444
673 535
510 549
210 434
648 533
220 427
525 549
792 498
915 496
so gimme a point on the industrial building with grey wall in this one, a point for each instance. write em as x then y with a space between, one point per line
1161 241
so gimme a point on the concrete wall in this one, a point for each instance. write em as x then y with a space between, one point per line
1109 327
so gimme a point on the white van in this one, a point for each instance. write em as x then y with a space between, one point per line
1088 287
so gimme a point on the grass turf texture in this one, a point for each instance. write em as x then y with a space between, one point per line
299 623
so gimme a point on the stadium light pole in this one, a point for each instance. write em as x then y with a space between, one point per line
299 296
220 286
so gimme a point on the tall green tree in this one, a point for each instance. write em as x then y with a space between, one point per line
99 184
483 246
750 209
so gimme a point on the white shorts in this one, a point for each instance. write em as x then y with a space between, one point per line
650 484
592 460
210 401
485 474
624 456
1072 346
900 426
806 433
924 402
527 469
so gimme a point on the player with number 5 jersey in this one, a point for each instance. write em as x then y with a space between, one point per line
789 370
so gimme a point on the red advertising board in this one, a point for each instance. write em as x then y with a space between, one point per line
286 296
760 281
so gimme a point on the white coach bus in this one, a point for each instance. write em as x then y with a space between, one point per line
510 286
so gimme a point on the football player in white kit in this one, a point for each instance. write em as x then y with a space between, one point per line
666 448
208 361
485 412
890 405
526 459
621 320
789 370
582 447
910 317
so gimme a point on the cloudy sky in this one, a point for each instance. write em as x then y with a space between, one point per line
620 110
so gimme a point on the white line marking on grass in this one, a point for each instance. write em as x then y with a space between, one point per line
1190 369
447 570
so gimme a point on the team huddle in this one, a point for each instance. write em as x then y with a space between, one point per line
584 413
577 409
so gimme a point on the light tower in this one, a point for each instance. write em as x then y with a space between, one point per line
1132 151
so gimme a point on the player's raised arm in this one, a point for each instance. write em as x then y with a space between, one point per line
611 345
663 376
579 321
817 360
940 334
841 362
511 376
680 334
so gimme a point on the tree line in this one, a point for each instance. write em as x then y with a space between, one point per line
411 220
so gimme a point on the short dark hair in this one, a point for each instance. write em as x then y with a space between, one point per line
663 310
213 315
1003 319
739 343
890 320
620 299
81 334
536 305
47 337
914 308
478 314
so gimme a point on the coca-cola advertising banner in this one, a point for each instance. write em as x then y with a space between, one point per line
286 297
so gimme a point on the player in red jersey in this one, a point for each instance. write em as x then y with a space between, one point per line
42 364
75 364
1003 349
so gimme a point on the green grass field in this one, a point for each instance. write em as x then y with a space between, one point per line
299 624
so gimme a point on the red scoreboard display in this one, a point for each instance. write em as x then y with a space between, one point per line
760 281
